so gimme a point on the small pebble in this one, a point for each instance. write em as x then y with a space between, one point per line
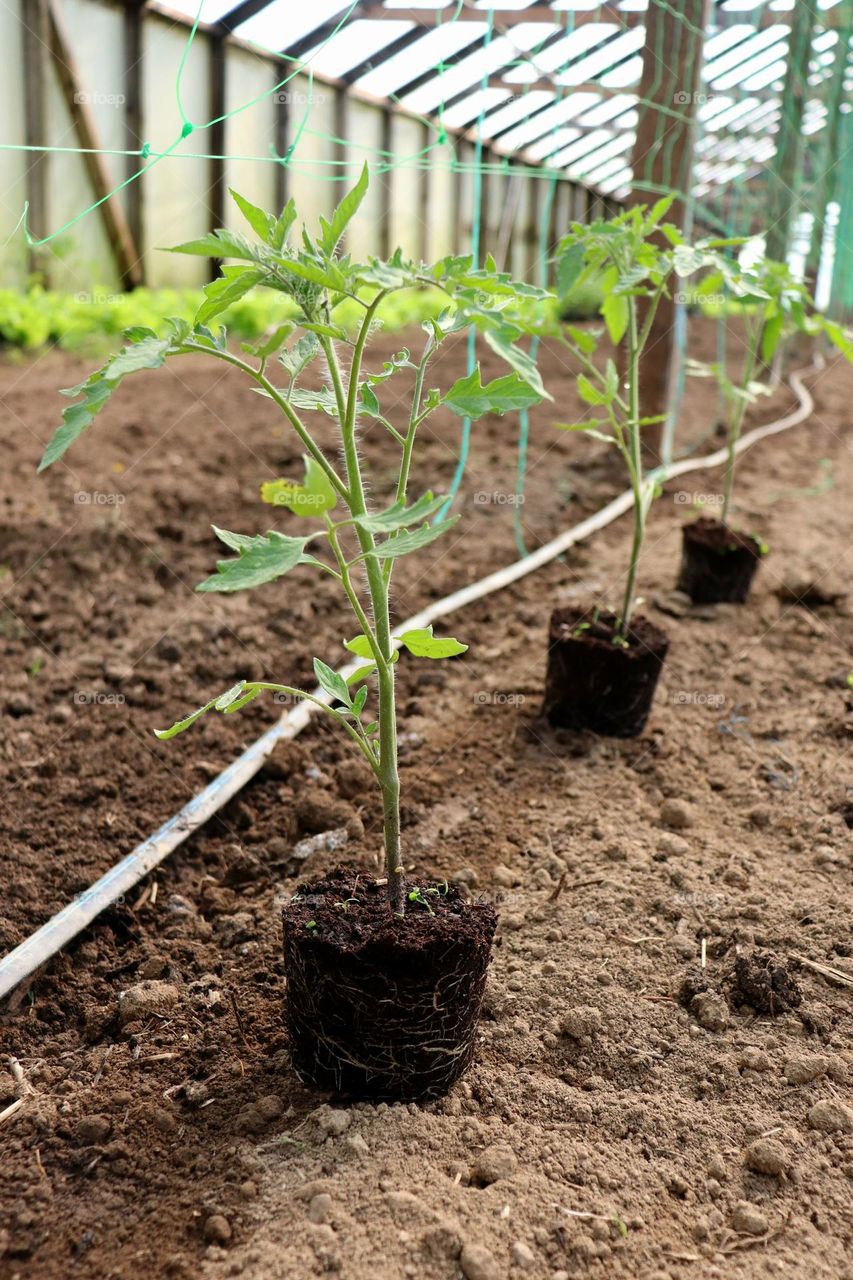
582 1023
320 1208
749 1220
334 1121
710 1011
767 1156
91 1130
523 1256
145 999
807 1067
830 1116
217 1229
496 1162
676 814
478 1264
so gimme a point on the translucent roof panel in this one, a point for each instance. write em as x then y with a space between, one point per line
471 108
353 45
211 10
469 71
572 46
519 107
281 23
437 43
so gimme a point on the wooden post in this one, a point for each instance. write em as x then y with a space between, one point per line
662 162
35 40
134 124
386 143
841 300
786 170
826 178
281 140
218 109
115 222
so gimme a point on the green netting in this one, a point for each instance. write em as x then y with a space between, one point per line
734 175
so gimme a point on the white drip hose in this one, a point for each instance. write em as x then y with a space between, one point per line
120 879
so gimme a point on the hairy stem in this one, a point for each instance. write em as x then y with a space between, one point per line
387 772
736 421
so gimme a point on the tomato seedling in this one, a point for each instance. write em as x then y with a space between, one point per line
362 545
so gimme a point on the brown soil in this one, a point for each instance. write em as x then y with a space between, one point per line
604 1128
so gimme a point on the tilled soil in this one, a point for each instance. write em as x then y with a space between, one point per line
631 1113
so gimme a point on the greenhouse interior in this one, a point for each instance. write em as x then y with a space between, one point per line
370 910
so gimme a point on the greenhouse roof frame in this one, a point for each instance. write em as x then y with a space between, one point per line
502 62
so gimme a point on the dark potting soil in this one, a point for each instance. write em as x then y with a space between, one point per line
377 1005
595 683
718 563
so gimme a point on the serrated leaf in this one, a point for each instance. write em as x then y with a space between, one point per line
260 559
523 364
399 516
218 244
180 725
261 223
332 231
405 543
230 287
313 497
335 685
148 353
423 644
283 223
470 399
299 356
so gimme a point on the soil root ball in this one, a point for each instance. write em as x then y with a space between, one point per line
595 681
717 563
378 1006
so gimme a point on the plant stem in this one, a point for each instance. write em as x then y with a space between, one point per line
634 458
736 421
387 772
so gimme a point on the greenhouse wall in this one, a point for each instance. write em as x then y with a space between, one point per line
426 202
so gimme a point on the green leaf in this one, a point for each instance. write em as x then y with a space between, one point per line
312 498
148 353
269 345
523 364
369 402
333 684
263 224
230 287
226 699
260 559
218 244
359 701
770 336
470 399
399 516
589 393
404 543
300 355
589 428
360 646
331 232
570 267
616 312
326 330
583 339
423 644
283 223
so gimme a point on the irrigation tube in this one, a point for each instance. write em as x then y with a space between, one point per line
51 937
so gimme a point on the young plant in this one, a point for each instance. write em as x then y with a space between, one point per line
362 546
773 305
634 259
